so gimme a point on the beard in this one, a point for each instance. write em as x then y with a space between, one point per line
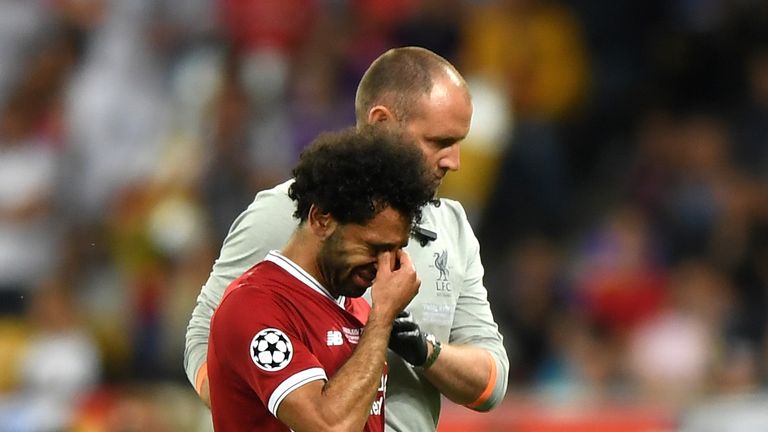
338 274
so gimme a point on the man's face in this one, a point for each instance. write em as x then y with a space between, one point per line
439 122
348 257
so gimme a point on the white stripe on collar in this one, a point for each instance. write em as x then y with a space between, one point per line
299 273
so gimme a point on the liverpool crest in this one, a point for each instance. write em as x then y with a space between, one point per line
442 284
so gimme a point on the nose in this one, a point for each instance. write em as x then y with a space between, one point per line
451 160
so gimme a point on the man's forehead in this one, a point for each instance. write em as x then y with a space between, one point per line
445 111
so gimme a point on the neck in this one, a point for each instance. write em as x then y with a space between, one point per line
303 251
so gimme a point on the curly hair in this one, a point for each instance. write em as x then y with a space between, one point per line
354 174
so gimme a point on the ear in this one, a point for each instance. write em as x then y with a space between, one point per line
322 224
380 114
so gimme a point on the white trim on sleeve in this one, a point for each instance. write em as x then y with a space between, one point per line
292 383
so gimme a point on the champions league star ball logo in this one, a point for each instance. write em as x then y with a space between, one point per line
271 350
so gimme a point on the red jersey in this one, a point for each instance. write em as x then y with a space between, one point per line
275 330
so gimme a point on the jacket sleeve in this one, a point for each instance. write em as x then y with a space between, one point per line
473 322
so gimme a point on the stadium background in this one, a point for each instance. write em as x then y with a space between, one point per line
615 174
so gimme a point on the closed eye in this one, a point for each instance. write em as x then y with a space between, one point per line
385 247
444 142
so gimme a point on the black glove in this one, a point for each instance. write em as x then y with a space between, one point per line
407 339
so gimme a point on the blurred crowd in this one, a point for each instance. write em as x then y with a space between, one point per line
616 175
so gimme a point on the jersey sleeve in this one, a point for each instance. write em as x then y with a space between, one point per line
473 322
264 349
265 225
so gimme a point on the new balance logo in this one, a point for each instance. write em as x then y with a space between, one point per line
334 338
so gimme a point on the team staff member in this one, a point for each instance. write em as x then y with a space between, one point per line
293 344
414 90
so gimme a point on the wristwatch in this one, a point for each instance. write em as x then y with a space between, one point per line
436 348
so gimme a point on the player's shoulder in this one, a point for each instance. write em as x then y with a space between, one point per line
261 285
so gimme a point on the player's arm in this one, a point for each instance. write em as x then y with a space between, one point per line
344 402
471 370
265 225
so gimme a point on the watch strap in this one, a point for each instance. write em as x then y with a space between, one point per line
436 348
